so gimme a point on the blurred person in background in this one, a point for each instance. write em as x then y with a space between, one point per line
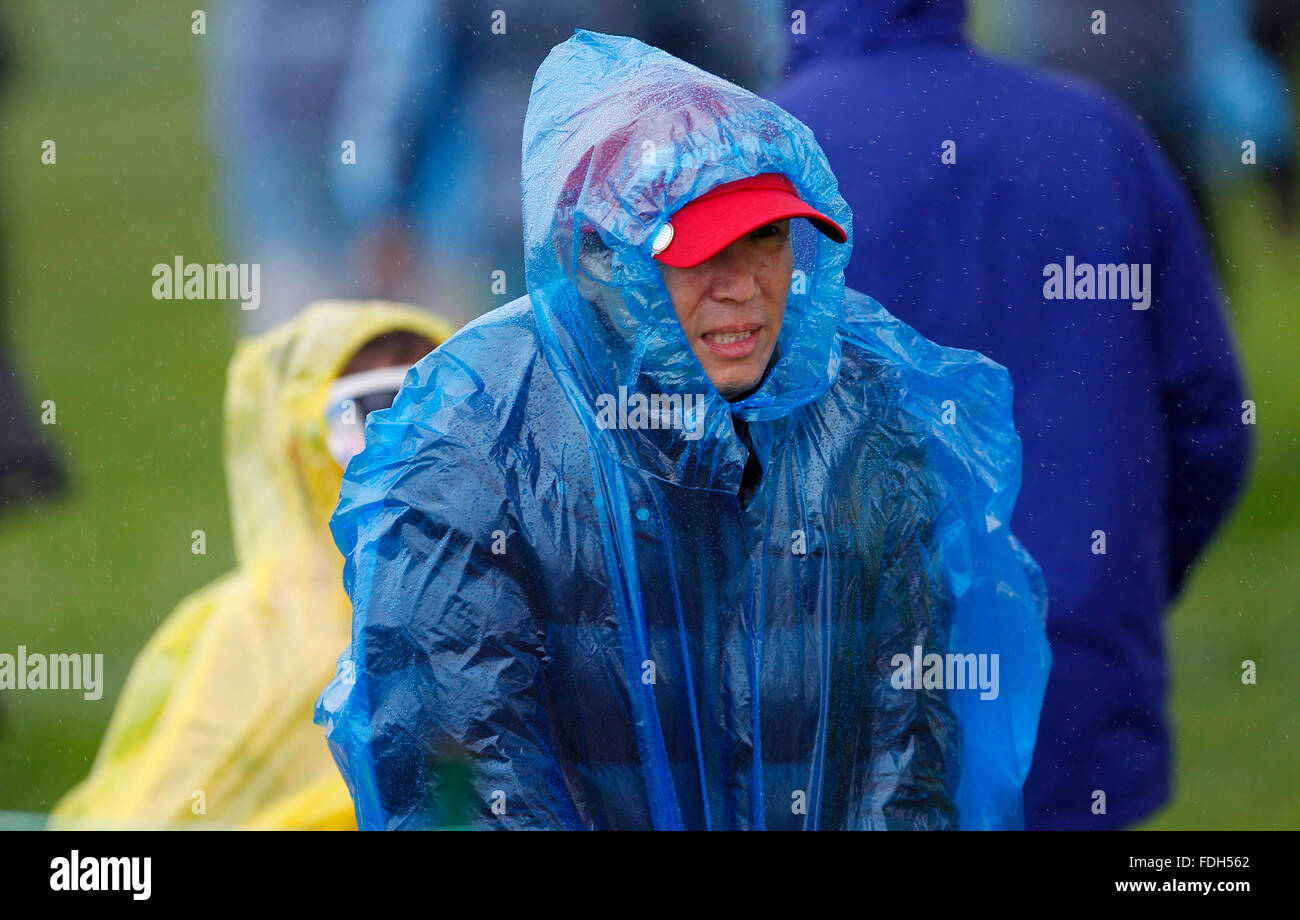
28 468
1277 29
214 724
1192 69
430 94
968 179
274 71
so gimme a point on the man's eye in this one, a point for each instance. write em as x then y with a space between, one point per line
766 231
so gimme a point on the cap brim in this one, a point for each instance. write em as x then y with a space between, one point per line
704 228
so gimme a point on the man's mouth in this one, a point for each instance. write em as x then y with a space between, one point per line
732 342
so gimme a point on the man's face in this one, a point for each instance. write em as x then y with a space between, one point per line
731 307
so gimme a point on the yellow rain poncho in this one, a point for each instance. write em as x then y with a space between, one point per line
214 725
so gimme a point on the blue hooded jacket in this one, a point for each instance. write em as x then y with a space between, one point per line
1131 417
804 609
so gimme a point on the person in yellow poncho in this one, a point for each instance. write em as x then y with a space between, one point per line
214 725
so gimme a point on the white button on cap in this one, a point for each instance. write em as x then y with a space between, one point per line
662 239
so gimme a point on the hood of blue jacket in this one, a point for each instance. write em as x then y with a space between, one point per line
833 28
618 137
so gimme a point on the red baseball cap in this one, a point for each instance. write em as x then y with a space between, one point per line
719 217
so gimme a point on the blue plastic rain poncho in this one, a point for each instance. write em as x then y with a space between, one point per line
623 627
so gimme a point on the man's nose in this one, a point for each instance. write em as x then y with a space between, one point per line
734 279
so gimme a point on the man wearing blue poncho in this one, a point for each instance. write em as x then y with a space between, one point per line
691 536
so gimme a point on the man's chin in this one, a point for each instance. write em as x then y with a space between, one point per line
734 392
736 383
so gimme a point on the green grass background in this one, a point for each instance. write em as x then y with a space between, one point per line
138 386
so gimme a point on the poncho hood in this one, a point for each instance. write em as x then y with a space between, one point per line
619 136
280 475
